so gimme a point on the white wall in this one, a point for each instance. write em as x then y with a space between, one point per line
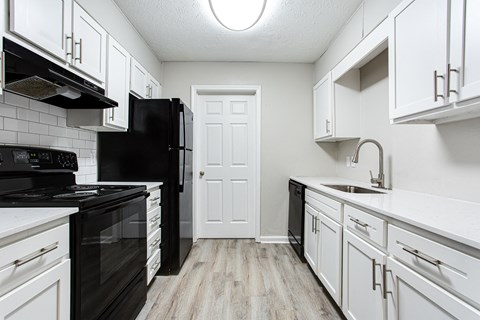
112 19
287 145
34 123
442 160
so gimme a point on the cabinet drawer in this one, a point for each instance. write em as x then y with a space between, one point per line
327 206
153 220
450 268
24 259
366 225
153 264
153 241
154 199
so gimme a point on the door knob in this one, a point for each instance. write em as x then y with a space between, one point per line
202 173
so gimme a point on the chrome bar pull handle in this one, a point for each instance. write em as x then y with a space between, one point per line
449 76
327 125
359 222
40 253
374 274
313 224
422 256
112 115
67 37
435 86
80 56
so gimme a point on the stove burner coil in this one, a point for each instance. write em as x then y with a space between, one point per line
80 187
76 195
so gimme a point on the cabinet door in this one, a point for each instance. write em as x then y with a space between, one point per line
45 23
323 108
362 274
118 80
90 44
330 255
310 241
138 79
465 50
155 88
45 297
410 296
418 56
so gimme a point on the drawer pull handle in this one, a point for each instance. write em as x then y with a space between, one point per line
423 256
40 253
374 274
360 223
155 199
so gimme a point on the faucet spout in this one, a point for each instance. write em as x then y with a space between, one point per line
380 180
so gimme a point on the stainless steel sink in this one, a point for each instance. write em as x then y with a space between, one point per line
351 189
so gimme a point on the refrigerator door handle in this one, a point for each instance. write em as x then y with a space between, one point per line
182 127
182 177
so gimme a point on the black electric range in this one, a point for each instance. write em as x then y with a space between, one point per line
107 235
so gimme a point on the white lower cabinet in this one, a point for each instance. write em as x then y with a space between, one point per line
45 297
329 262
362 279
411 296
310 240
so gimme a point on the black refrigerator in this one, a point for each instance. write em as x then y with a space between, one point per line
157 147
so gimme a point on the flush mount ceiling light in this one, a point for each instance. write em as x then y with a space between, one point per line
237 15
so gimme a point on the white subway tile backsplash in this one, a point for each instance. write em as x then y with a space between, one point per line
84 153
34 123
72 133
38 128
62 122
84 135
29 115
8 111
39 106
58 111
48 141
57 131
78 143
16 100
28 139
8 137
48 119
15 125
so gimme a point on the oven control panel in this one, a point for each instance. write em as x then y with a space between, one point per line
24 159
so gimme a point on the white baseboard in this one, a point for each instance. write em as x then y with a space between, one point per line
274 239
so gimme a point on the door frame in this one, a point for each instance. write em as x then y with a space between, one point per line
196 92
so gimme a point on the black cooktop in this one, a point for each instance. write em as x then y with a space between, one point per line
79 195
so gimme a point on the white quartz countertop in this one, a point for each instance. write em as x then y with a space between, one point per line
14 220
149 185
454 219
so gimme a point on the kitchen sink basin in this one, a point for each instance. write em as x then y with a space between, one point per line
351 189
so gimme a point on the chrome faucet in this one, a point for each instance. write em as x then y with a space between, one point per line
380 180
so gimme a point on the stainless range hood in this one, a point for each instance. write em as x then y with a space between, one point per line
32 76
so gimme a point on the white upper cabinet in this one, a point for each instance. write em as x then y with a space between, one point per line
139 83
45 23
434 70
323 108
418 50
90 44
142 84
155 89
464 70
118 81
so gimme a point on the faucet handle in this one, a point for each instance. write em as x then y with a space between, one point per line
372 179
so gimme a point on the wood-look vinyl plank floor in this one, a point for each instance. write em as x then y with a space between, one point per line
239 279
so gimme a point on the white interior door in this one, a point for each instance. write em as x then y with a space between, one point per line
227 166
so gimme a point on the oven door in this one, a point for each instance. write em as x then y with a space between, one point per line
109 250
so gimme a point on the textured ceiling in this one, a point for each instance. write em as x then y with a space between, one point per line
289 30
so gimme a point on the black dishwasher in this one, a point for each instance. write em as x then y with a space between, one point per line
296 217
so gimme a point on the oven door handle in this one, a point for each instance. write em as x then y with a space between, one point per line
109 207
